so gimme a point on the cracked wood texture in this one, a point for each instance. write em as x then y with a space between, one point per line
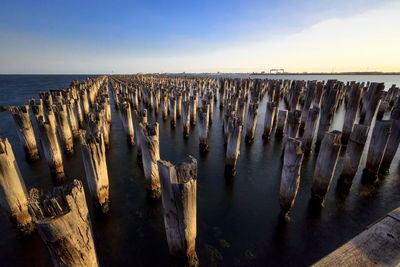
12 187
62 220
94 160
178 185
150 155
51 147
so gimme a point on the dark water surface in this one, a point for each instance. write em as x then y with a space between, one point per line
238 222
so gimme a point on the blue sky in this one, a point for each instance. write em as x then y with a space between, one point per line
170 36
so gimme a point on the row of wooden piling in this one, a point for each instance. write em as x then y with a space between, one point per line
61 216
84 111
310 110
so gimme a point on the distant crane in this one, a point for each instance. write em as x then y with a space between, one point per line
276 71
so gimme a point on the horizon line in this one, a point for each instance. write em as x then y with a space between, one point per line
221 73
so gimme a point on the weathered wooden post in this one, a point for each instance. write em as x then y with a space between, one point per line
150 155
241 109
186 118
352 158
309 128
328 109
85 102
25 131
269 119
178 185
172 110
229 112
164 106
383 107
193 110
290 179
211 107
352 106
51 148
179 104
140 116
79 112
12 189
127 122
94 161
393 142
203 113
311 89
51 118
233 145
64 128
63 222
293 123
37 108
370 101
72 117
251 124
281 124
377 148
325 165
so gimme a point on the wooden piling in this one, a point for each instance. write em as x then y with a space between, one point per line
25 131
193 110
64 128
269 119
370 101
355 95
233 145
328 109
164 106
13 198
203 113
150 155
290 178
377 148
309 98
292 124
172 109
94 160
186 118
281 124
127 122
37 108
51 148
84 102
179 104
352 158
72 117
178 186
393 142
63 222
325 165
309 128
383 107
251 123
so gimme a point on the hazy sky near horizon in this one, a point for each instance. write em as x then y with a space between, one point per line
90 36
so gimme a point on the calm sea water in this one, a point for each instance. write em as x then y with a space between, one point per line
238 218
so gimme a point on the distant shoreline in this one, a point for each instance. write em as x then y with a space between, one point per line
221 73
